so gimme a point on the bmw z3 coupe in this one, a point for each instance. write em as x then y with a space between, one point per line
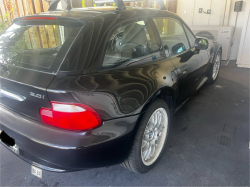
94 87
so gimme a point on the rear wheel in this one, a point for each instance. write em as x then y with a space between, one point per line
150 138
216 68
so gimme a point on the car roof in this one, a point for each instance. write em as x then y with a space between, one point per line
85 14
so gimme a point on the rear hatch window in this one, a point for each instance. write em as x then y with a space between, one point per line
31 52
37 45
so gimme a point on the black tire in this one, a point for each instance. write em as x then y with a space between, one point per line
211 80
134 161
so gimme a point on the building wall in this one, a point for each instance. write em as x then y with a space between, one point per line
239 26
244 49
189 11
222 15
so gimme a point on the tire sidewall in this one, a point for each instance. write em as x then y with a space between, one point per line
157 104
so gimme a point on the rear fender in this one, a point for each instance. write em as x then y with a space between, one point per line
165 93
217 46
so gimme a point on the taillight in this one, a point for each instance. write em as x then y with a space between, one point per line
70 116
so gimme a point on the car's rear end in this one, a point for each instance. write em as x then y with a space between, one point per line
46 130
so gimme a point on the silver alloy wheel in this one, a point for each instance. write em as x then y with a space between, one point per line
154 136
216 67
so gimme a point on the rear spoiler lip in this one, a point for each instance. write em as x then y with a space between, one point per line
57 18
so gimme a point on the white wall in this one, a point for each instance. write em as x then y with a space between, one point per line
188 10
185 9
238 31
244 49
222 15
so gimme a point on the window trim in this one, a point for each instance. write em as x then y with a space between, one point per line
181 22
184 24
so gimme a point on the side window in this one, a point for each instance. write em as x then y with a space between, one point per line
172 35
190 36
131 42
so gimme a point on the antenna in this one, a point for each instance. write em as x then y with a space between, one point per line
120 4
161 4
54 3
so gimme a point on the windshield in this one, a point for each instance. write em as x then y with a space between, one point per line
36 46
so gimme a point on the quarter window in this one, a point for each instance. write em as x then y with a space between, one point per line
132 42
172 35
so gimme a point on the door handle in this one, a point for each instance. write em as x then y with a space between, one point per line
182 71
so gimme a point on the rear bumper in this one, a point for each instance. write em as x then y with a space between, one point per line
60 150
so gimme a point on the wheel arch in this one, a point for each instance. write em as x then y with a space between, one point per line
217 47
164 93
167 94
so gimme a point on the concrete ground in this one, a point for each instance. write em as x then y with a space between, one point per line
208 145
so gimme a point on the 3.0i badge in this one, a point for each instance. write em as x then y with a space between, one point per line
37 95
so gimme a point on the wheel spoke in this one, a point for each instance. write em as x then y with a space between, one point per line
148 153
147 136
159 130
159 120
144 143
145 149
145 154
153 150
158 135
147 129
150 124
156 119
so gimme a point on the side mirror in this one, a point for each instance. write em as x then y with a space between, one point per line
178 48
201 43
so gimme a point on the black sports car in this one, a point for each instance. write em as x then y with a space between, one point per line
95 87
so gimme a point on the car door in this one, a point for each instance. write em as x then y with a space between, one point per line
133 65
179 42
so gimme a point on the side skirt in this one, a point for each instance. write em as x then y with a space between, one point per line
180 105
202 82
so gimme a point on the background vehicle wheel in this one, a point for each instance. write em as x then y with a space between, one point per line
213 75
150 138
